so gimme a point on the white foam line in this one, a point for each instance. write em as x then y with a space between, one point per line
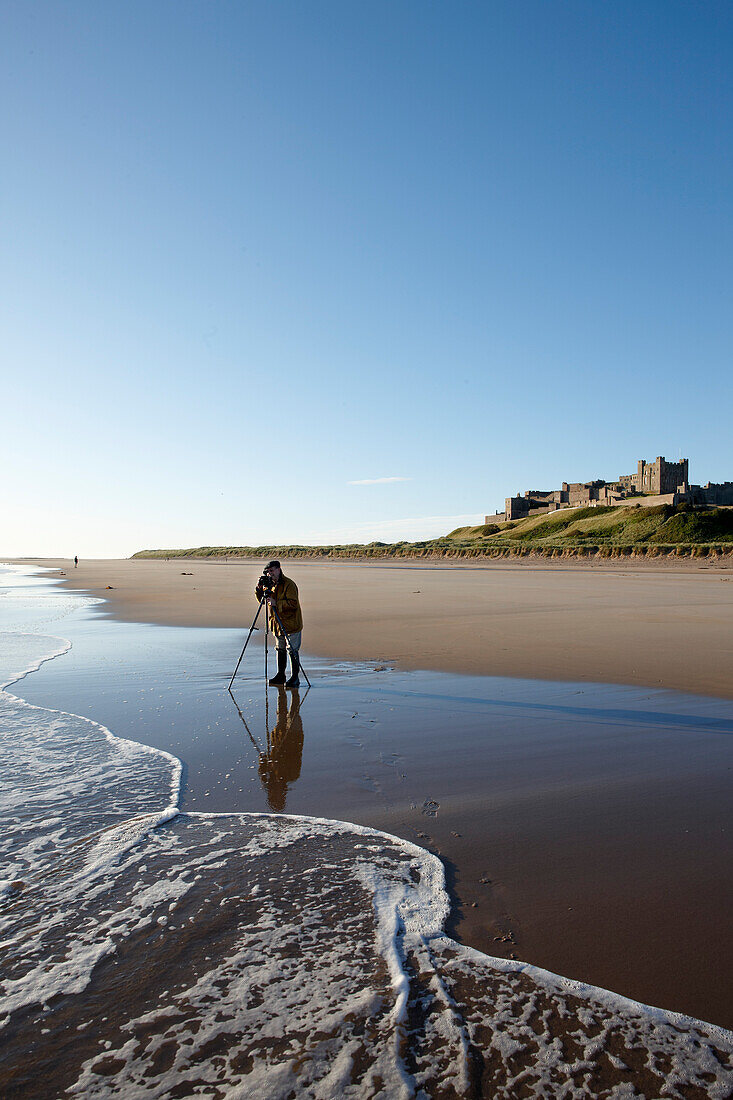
137 828
113 739
433 866
64 648
430 929
606 997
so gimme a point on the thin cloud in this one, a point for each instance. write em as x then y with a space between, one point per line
378 480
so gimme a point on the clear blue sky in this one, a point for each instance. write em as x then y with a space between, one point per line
252 253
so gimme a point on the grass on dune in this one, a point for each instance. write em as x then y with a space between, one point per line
578 530
626 526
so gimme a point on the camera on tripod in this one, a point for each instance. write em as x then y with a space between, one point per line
266 584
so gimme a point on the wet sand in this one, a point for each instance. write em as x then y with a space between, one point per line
600 820
651 625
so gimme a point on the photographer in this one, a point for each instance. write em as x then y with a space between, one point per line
281 595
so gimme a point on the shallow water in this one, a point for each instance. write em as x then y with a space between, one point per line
298 953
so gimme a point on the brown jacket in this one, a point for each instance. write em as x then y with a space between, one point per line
287 605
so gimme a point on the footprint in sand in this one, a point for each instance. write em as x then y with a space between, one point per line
430 807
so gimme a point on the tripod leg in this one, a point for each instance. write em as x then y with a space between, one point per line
254 622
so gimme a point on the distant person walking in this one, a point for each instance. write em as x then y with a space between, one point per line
283 599
76 561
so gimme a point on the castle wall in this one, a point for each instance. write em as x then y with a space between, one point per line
662 482
714 494
652 501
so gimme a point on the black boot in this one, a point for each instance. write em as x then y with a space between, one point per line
294 681
282 660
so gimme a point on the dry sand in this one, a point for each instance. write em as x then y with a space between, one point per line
655 625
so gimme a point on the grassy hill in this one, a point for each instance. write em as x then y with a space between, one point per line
630 526
681 530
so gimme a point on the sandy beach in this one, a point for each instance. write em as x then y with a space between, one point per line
582 828
650 625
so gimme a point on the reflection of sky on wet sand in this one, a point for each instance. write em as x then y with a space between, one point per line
567 797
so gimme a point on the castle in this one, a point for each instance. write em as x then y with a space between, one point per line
658 482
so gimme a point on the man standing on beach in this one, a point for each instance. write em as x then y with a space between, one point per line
283 599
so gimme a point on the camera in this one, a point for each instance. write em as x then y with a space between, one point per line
266 584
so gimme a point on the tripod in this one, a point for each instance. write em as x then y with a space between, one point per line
263 601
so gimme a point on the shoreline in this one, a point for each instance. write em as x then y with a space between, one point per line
644 624
548 823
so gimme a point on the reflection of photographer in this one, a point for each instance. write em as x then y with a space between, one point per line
280 766
283 610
